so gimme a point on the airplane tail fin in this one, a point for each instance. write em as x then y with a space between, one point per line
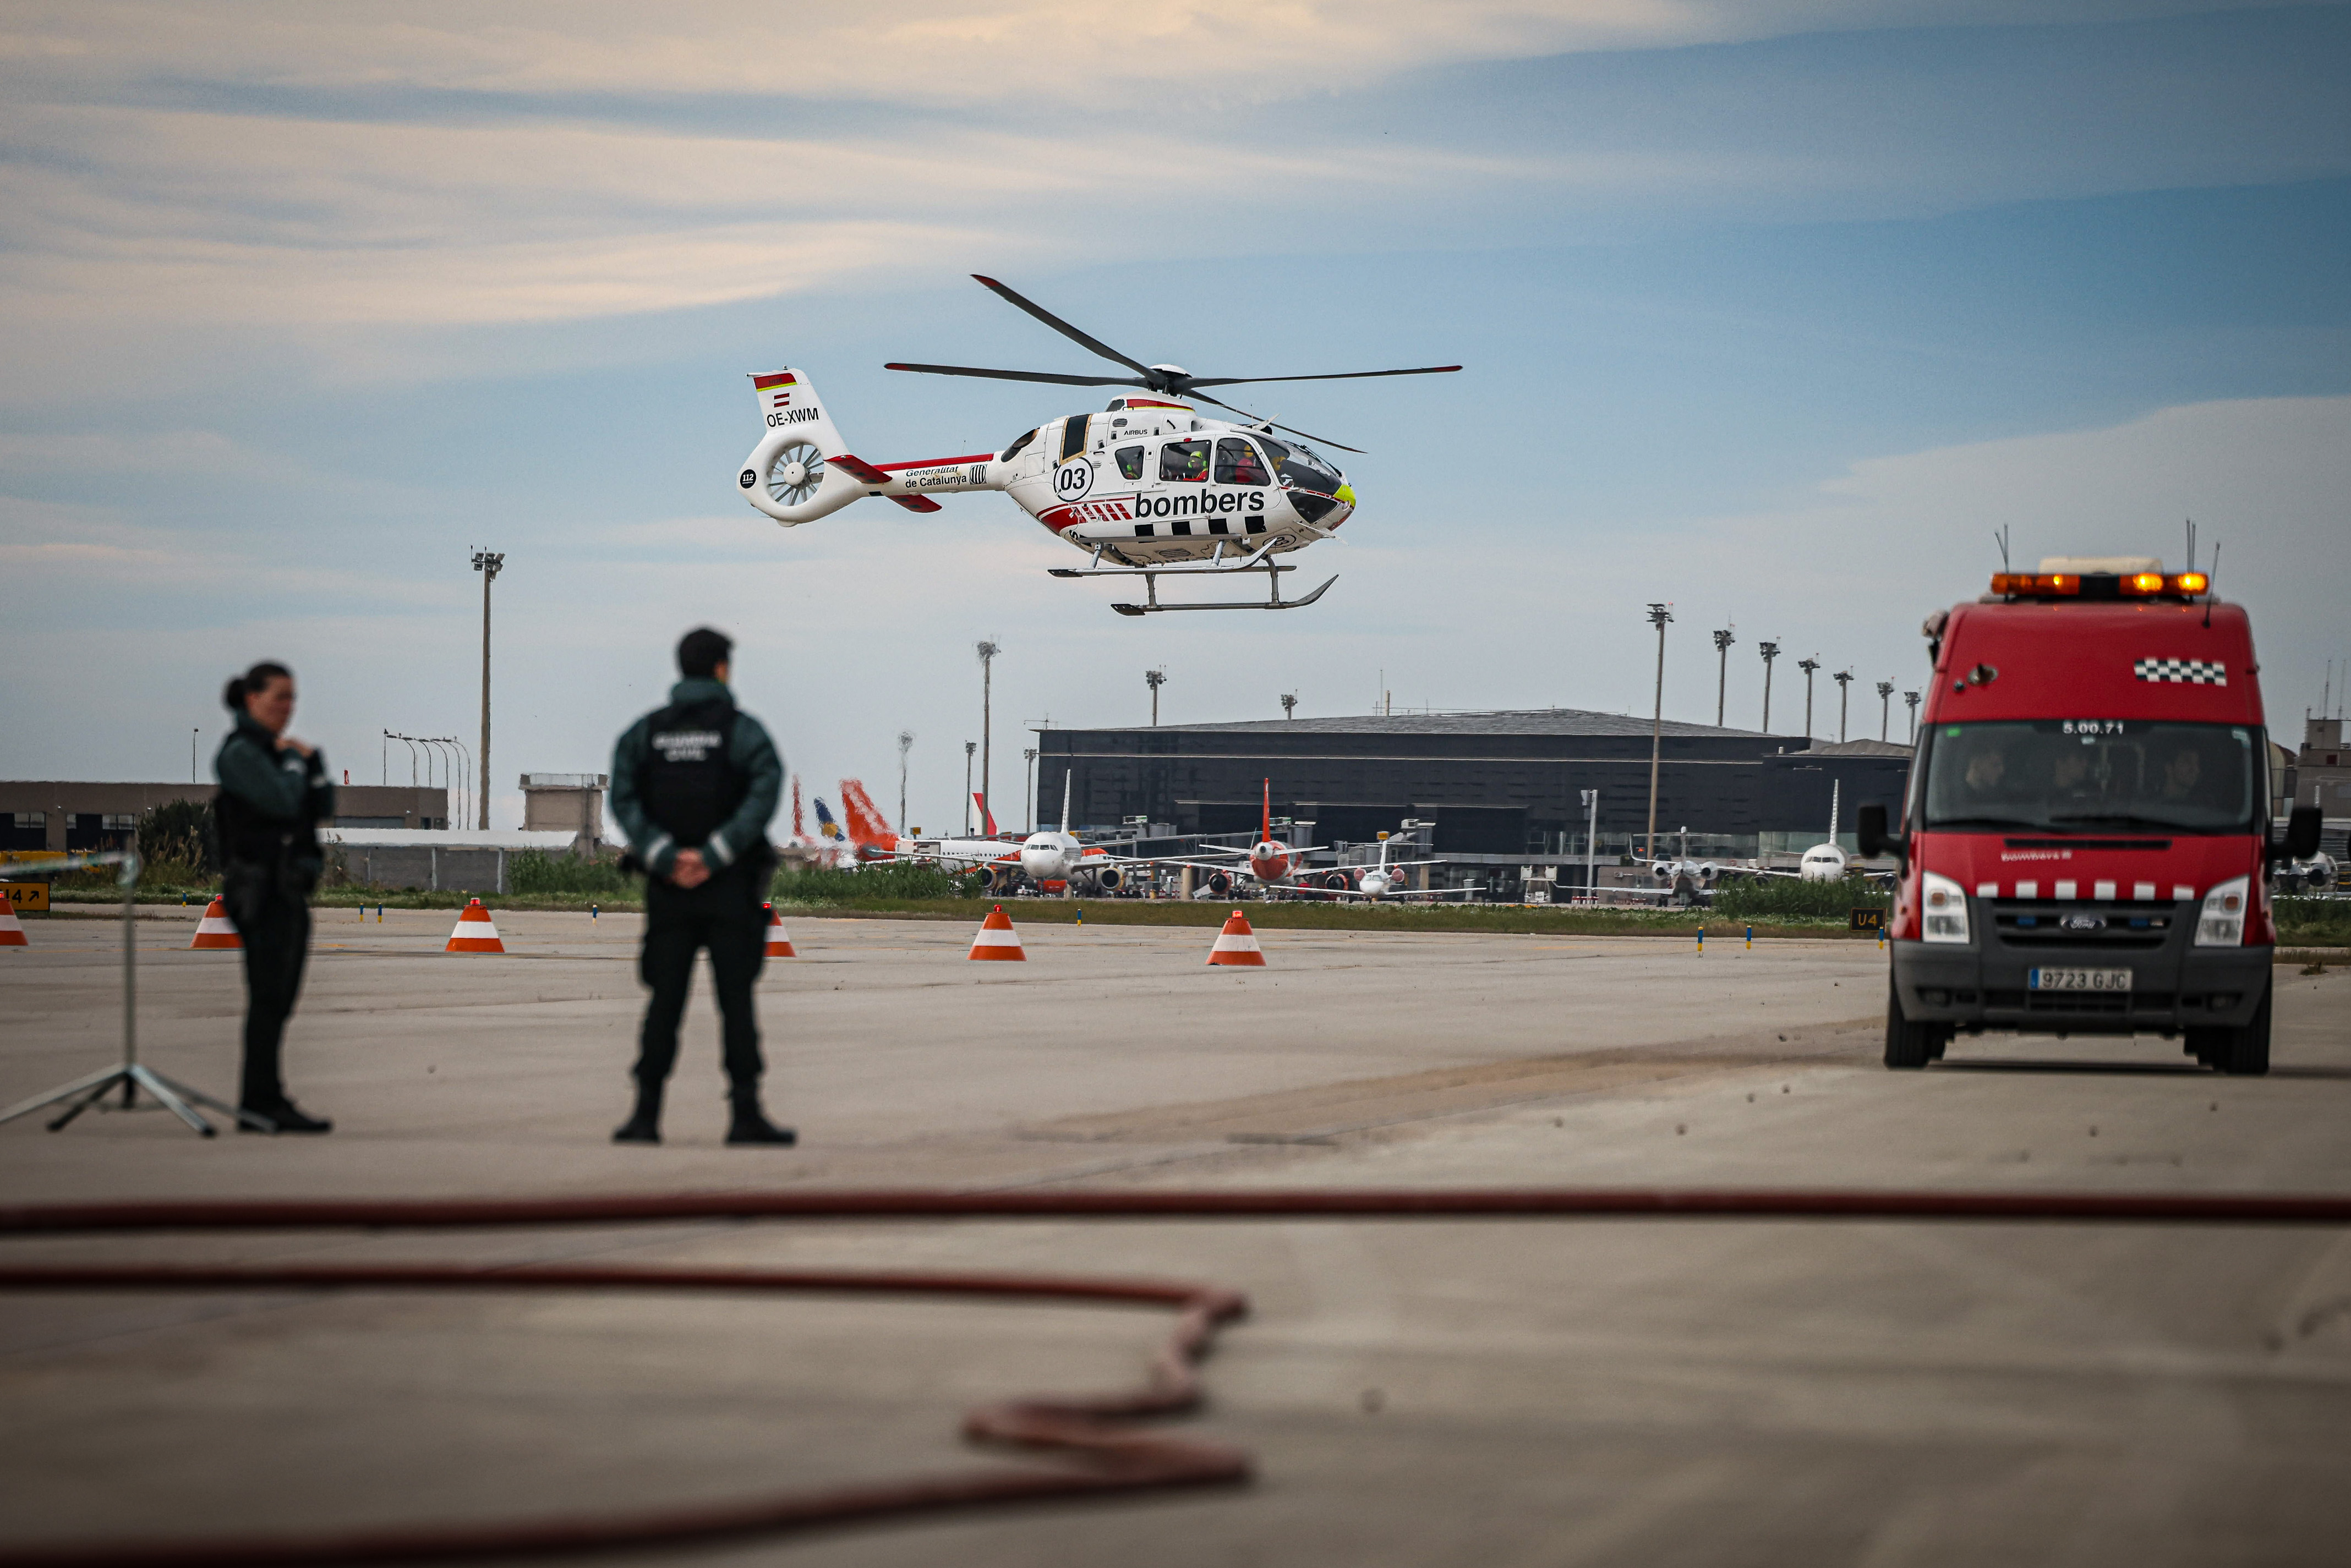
792 474
1265 829
825 828
987 817
800 825
867 827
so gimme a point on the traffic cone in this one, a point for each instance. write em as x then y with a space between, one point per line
998 940
779 941
12 929
476 932
215 930
1237 945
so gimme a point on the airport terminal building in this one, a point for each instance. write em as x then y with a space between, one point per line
1504 786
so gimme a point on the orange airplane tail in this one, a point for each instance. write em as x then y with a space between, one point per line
868 829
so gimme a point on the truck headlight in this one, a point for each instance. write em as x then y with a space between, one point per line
1942 909
2223 922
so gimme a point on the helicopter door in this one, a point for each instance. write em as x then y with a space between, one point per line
1183 464
1238 464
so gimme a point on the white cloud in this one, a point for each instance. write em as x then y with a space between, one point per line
925 52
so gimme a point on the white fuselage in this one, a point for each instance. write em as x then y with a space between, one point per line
1822 863
1149 481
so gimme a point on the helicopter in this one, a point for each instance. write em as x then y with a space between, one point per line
1150 487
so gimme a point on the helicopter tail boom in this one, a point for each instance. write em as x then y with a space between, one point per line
802 469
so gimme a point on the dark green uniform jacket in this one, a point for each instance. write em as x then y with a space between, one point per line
743 833
271 804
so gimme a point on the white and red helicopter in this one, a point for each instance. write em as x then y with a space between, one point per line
1150 487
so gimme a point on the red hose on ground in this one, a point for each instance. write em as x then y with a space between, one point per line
1102 1455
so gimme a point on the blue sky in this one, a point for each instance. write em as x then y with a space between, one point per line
1774 311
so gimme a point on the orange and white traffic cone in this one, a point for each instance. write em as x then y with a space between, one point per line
12 929
779 941
215 930
997 939
1237 945
476 932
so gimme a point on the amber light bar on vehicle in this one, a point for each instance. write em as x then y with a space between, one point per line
2098 585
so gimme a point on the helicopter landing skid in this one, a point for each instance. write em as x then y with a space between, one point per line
1215 566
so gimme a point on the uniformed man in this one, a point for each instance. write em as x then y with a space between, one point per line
693 785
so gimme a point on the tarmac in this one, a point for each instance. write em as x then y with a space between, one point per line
1416 1392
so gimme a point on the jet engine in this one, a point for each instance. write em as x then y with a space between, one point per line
1110 878
1219 885
1336 881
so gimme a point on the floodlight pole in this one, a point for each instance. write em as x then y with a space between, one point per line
1910 699
1885 707
988 652
1722 642
489 565
1770 650
906 743
970 750
1808 666
1028 756
1843 678
1659 616
1154 678
1591 843
1289 706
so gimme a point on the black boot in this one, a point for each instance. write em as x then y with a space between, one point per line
750 1124
283 1117
643 1125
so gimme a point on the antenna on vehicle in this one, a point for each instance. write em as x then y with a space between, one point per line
2212 585
2191 544
2000 539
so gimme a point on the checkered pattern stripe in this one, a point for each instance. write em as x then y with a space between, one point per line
2189 672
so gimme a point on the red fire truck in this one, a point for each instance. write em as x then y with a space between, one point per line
2085 839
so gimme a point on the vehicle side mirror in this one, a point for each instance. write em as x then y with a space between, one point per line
2302 825
1870 828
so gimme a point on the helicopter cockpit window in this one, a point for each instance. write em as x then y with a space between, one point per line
1015 448
1184 460
1301 465
1238 463
1130 462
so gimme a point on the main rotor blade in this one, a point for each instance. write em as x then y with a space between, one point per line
1061 327
1340 376
1257 419
1023 376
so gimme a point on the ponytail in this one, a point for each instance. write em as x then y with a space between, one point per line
256 678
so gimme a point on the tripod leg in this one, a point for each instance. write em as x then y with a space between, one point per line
89 1100
179 1107
198 1097
100 1080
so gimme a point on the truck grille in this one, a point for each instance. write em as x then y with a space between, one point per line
2039 926
2084 1003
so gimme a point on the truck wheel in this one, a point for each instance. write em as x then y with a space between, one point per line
1908 1046
2249 1048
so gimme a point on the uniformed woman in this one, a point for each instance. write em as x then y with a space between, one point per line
273 791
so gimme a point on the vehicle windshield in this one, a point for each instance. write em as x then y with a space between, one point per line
2094 775
1301 465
